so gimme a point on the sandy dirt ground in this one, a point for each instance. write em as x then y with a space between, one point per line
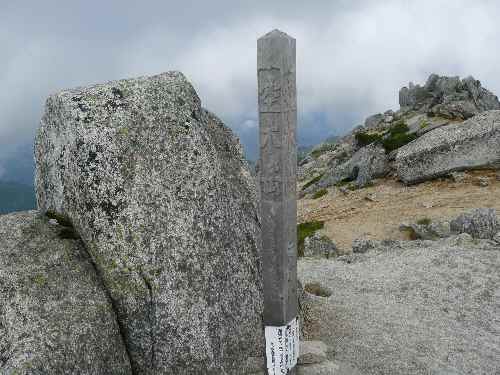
352 216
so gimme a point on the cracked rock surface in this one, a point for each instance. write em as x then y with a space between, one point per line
160 193
55 316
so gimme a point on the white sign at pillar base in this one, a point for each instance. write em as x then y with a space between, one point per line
282 347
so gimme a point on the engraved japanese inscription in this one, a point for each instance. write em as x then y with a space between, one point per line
278 164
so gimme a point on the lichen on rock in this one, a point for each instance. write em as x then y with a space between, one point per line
162 197
55 315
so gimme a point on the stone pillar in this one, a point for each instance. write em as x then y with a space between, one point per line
278 164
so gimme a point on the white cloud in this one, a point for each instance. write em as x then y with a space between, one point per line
353 56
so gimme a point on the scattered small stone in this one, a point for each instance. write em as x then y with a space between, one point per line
427 204
498 176
372 197
458 176
312 352
483 181
344 190
463 239
361 245
53 222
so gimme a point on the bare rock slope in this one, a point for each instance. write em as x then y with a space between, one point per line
472 144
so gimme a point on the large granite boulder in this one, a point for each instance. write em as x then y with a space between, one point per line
366 164
162 197
55 315
455 147
448 97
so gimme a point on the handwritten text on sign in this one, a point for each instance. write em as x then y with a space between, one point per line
282 347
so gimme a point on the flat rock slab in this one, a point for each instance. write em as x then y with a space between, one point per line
163 199
414 307
455 147
55 316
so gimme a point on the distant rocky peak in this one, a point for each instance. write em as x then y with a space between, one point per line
449 97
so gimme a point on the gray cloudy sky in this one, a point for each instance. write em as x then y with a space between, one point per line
353 56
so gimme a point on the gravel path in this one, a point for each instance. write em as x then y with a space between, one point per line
420 307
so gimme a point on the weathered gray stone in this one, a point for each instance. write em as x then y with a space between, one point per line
55 316
366 164
468 145
431 231
483 181
479 223
459 177
496 238
320 246
278 155
161 195
448 97
463 239
313 351
362 245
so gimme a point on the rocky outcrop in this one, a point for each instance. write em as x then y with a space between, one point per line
366 164
461 146
479 223
441 102
55 315
448 97
160 193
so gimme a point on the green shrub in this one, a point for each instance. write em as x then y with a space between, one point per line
398 140
399 127
312 181
424 221
317 290
319 193
305 230
424 124
397 136
365 138
321 149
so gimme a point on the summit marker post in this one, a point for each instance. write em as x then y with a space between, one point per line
277 92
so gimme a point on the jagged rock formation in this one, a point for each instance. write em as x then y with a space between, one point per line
448 97
468 145
160 193
55 315
427 112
